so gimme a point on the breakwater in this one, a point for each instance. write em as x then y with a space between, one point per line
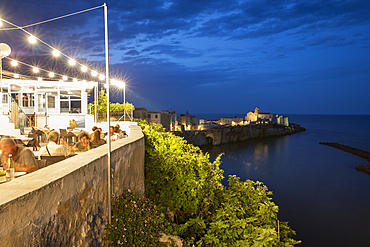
355 151
229 134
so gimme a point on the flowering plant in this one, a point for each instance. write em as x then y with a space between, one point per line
136 221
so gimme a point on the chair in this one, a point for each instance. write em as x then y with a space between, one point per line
95 145
41 164
70 138
33 143
63 132
52 159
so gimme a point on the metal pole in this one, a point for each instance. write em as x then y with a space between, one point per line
1 72
96 101
124 101
108 110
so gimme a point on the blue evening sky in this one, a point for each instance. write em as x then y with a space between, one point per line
208 56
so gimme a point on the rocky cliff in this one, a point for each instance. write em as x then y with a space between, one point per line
228 134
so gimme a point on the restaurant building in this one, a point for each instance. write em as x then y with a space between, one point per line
56 104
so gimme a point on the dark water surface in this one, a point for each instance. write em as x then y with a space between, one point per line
317 188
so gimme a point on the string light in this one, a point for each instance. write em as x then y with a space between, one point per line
74 80
16 76
39 79
32 39
56 53
72 62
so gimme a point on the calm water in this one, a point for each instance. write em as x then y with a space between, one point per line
318 190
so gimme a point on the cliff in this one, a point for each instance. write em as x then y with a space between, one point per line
228 134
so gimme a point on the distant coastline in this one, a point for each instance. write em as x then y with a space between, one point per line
229 134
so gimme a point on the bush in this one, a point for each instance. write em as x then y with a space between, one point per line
136 221
180 178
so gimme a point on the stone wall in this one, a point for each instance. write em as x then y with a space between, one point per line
65 204
228 134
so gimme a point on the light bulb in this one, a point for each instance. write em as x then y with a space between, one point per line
39 79
35 69
56 53
74 80
14 63
72 62
16 76
65 78
84 68
32 39
51 74
94 73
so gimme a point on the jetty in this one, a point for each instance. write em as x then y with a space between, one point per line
355 151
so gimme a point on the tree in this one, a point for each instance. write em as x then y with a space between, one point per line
114 107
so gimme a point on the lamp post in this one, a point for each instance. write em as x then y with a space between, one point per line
4 52
108 110
123 85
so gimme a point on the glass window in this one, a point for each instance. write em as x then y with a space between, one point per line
64 106
51 100
31 98
5 98
76 106
41 102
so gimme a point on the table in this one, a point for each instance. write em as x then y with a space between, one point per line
3 178
25 140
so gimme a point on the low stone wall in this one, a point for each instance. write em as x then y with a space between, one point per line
65 204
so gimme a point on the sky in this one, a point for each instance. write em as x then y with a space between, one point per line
209 56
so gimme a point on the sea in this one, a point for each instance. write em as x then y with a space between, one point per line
317 188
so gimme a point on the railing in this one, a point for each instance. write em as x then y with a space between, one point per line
12 109
102 116
129 116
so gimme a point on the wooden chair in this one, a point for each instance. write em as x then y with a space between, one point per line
41 164
70 138
95 145
34 142
52 159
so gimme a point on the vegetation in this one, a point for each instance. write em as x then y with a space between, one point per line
180 178
136 221
114 107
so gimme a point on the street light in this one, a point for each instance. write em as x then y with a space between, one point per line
123 85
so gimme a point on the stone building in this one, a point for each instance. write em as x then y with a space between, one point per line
141 113
190 122
258 117
231 121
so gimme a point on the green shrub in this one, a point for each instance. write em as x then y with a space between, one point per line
181 178
136 221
